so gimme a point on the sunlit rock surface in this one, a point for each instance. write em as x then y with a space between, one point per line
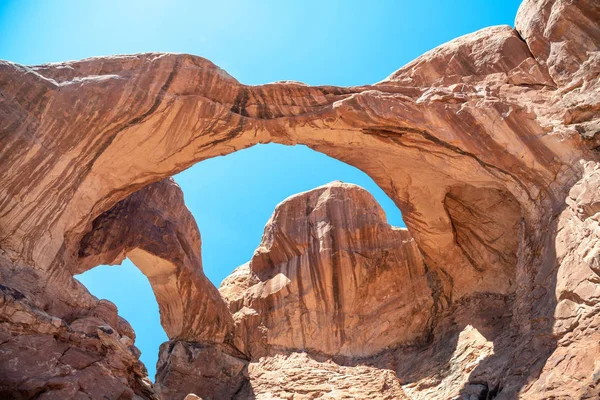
332 277
89 354
488 144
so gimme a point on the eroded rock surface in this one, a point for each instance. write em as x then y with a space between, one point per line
332 277
488 144
154 228
299 376
213 371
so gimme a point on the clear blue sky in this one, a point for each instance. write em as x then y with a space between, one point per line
313 41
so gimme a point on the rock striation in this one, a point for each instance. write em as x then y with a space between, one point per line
488 144
154 228
85 356
331 277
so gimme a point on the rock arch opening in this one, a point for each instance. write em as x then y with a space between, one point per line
327 258
155 230
233 197
129 289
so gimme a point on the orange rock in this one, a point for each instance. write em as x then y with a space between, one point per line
154 228
331 276
488 144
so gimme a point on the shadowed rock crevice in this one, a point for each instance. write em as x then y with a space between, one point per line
487 225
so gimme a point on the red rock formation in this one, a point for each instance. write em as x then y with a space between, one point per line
90 355
213 371
154 228
488 145
332 277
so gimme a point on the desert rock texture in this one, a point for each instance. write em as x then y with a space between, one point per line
327 267
488 144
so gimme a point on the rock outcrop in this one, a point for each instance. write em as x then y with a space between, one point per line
331 277
214 371
158 233
90 355
488 144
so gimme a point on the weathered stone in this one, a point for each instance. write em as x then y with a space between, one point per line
563 36
488 145
332 277
299 376
209 371
42 359
154 228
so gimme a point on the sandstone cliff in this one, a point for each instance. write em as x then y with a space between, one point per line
488 144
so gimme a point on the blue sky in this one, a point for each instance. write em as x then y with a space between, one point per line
313 41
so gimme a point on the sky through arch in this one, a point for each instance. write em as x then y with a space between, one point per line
231 197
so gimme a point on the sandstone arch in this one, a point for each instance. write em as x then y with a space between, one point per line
488 114
157 232
182 109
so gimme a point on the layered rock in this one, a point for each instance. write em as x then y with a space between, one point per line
331 277
87 356
572 367
158 233
307 378
154 228
213 371
488 145
563 37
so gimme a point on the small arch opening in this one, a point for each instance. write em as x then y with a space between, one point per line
128 288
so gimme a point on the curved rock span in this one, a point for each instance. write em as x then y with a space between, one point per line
488 145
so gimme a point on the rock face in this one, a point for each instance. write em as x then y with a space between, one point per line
158 233
488 144
90 355
331 277
213 371
154 228
307 378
